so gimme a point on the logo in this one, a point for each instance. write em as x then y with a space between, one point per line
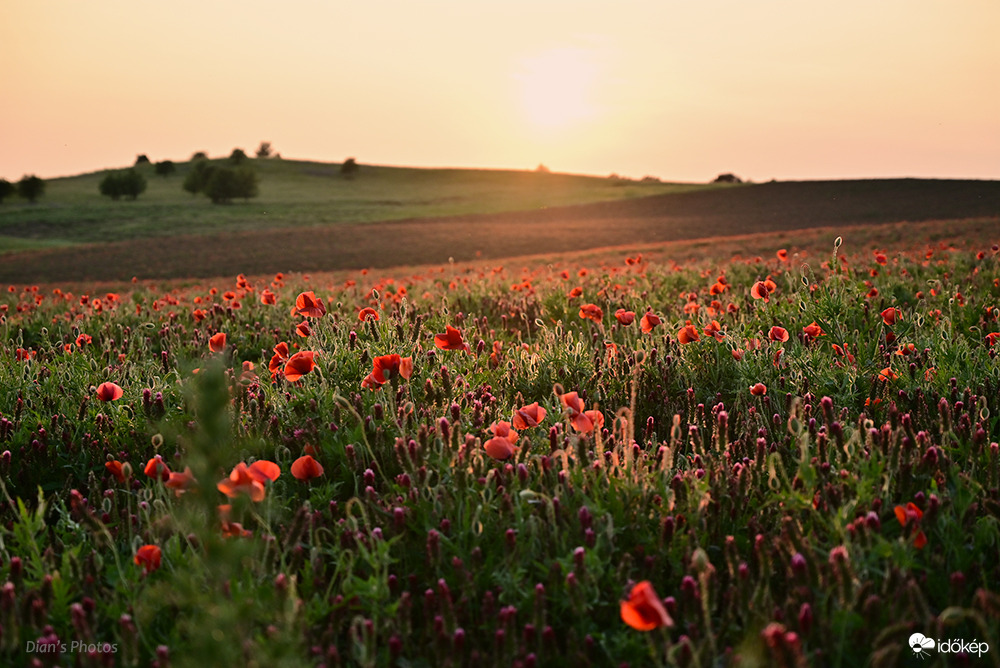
921 644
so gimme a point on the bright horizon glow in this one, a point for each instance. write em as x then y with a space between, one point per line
678 90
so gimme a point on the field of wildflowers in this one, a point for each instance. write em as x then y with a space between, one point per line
779 461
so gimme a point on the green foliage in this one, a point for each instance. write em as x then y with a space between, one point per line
6 189
141 159
225 183
264 150
30 188
198 176
165 168
127 183
350 167
237 157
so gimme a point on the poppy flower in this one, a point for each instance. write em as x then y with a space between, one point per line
714 329
758 389
249 480
643 610
180 482
451 340
688 334
83 339
148 556
779 334
591 312
157 468
109 392
891 315
575 292
782 255
116 469
306 468
528 416
387 367
992 338
843 352
368 314
217 343
303 329
299 365
648 321
582 420
501 446
624 317
278 360
309 305
912 514
760 291
887 374
813 330
267 298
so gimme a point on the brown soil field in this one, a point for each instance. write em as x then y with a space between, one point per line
734 212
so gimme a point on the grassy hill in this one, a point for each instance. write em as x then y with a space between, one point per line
311 218
295 194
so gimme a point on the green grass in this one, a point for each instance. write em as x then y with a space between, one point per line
299 194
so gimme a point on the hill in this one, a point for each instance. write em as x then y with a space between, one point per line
394 216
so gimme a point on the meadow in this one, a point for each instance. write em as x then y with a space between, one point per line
772 450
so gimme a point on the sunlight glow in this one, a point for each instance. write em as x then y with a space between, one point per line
556 88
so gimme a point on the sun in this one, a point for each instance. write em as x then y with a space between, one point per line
556 88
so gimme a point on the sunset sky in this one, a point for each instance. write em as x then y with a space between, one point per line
682 90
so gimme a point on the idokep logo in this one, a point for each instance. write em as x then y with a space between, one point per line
922 646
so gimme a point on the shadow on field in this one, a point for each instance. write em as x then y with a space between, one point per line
770 207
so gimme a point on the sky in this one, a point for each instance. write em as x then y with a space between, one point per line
677 89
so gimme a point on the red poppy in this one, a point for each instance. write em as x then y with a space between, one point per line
309 305
813 330
643 610
299 365
501 446
116 469
386 368
451 340
992 338
779 334
891 315
367 314
303 329
714 329
109 392
758 389
760 291
528 416
83 340
625 317
591 312
582 421
911 514
249 480
688 334
306 468
148 556
181 482
782 254
157 468
267 298
648 321
575 292
217 343
279 359
887 374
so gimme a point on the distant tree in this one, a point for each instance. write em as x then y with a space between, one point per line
237 157
727 178
542 169
30 187
264 150
227 183
198 176
350 167
165 168
199 155
6 189
125 183
142 159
